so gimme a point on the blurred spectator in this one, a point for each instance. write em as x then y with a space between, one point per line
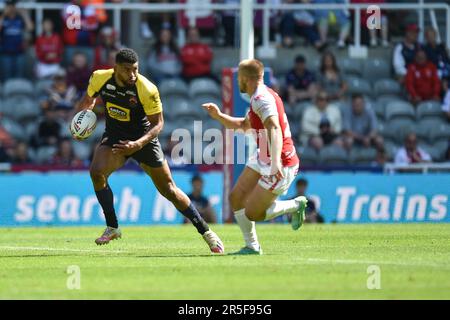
405 52
422 81
152 22
437 54
321 123
312 215
330 78
204 19
49 51
6 140
446 105
200 201
100 12
65 155
410 152
360 125
373 32
14 23
4 157
300 82
105 51
196 57
21 154
61 96
78 73
49 130
339 17
164 60
302 22
381 157
85 33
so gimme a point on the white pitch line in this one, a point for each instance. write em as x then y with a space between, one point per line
14 248
349 261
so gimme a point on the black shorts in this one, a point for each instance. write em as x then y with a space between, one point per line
151 154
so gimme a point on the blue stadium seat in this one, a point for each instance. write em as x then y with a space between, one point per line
18 86
45 154
82 149
351 66
387 86
13 128
429 109
440 132
299 109
374 69
171 87
358 85
42 86
362 155
391 148
204 86
219 63
21 107
333 155
398 129
308 155
399 109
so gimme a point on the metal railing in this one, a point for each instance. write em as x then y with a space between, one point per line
118 8
390 168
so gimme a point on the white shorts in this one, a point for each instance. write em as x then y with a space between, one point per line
278 187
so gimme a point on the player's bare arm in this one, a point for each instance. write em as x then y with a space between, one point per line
272 125
86 103
127 147
227 121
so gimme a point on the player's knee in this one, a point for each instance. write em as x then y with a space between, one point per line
254 215
97 175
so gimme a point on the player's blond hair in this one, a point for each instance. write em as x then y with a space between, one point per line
252 68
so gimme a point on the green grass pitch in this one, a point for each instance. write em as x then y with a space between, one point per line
318 262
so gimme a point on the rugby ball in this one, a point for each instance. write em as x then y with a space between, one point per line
83 124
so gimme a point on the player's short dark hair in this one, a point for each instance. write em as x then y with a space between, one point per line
302 182
196 177
126 55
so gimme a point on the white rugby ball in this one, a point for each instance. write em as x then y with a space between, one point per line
83 124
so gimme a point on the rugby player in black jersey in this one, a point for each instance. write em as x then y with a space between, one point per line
134 118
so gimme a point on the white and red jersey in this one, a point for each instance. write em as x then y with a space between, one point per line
265 103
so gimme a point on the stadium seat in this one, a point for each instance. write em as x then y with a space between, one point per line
13 128
170 87
211 124
378 108
44 154
435 151
440 132
81 149
350 66
198 100
18 86
334 155
429 109
219 63
362 155
387 86
358 85
203 86
399 128
391 148
21 107
308 155
399 109
374 69
299 109
41 87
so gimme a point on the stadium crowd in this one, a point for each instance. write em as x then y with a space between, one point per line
337 115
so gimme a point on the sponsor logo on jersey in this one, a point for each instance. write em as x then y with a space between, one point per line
110 87
131 93
105 93
118 113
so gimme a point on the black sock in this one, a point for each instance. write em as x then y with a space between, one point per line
106 199
194 216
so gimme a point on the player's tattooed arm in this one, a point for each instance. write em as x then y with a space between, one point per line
226 120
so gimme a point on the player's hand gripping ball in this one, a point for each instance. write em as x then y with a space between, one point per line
83 124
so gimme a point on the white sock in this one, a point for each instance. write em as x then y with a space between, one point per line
279 208
248 229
